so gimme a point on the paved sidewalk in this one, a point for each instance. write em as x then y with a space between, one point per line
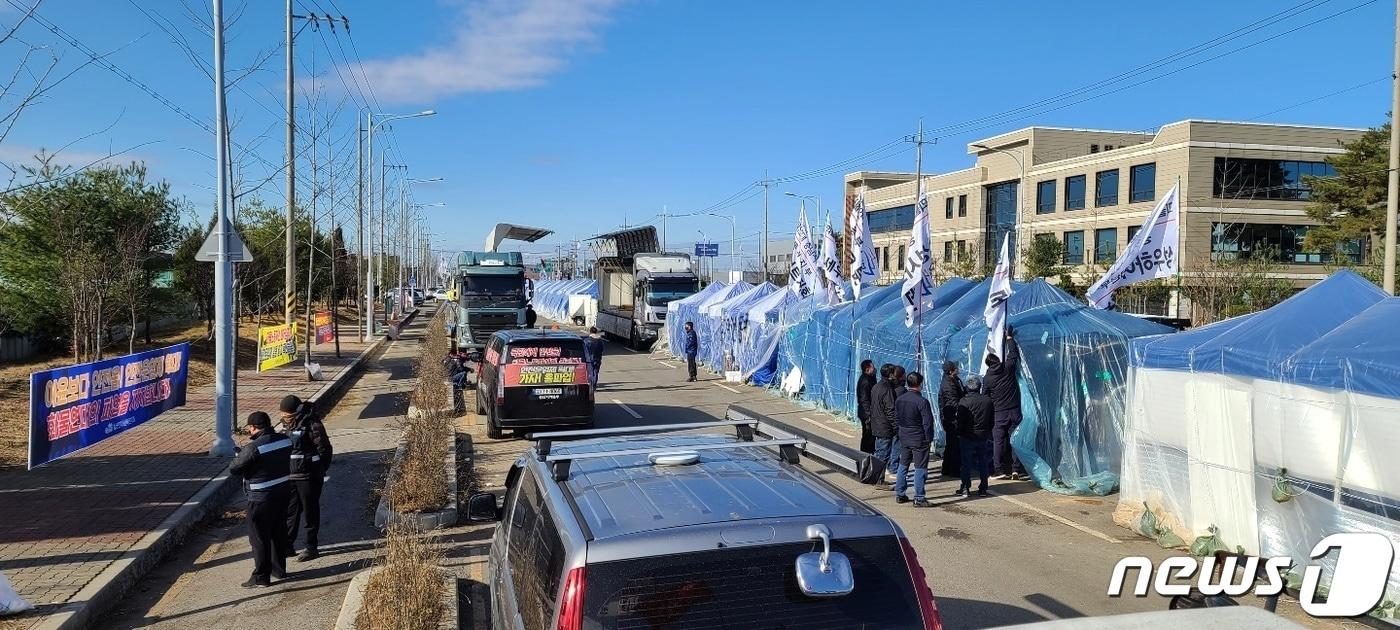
68 522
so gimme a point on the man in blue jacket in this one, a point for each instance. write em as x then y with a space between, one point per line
692 348
593 355
913 419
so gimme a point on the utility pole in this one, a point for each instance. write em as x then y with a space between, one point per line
369 247
402 240
1392 198
289 278
223 267
311 251
764 246
663 228
361 313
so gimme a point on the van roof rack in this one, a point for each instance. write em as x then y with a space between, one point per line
789 450
545 440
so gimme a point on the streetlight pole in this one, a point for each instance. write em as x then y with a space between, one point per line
289 277
223 268
1392 198
370 274
403 233
1020 197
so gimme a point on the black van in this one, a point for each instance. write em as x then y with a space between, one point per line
533 378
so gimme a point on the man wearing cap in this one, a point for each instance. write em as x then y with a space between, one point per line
310 458
265 466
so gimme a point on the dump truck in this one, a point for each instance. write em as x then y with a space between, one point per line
491 292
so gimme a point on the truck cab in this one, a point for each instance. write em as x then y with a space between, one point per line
491 291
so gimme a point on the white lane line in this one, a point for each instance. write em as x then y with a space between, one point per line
1055 517
629 349
722 385
626 408
667 364
824 426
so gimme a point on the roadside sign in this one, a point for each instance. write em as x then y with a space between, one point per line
237 250
706 250
277 346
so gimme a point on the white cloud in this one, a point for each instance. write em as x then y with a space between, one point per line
501 45
18 155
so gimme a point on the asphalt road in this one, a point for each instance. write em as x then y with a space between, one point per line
198 586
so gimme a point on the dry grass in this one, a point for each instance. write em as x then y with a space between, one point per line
419 480
406 592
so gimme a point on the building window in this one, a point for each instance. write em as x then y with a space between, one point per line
1106 188
1045 197
1142 183
962 205
1105 245
999 204
1074 247
1074 192
891 219
948 251
900 260
884 253
948 208
1281 243
1247 178
962 250
1093 148
1132 231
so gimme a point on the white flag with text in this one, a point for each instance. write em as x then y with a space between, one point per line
863 264
831 265
994 314
803 277
918 265
1151 254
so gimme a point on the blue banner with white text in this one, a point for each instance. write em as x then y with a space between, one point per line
74 407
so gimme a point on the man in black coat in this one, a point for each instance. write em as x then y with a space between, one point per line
974 431
1002 387
949 393
882 398
914 424
530 316
864 384
264 465
310 459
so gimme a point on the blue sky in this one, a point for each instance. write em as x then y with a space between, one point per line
579 114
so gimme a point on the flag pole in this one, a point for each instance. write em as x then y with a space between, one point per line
918 194
1181 227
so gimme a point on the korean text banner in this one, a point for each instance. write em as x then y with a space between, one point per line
75 407
325 330
277 346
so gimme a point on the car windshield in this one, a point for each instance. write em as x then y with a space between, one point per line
661 293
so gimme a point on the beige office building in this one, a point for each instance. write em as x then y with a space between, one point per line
1241 191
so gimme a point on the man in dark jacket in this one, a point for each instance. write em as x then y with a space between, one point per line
864 384
882 398
692 348
949 393
593 355
974 431
913 418
530 316
264 465
310 458
1002 387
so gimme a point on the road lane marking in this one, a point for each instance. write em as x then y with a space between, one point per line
1055 517
727 387
667 364
626 408
824 426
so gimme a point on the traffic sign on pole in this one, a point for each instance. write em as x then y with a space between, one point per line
706 250
237 250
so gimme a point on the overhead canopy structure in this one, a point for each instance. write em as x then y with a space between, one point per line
626 243
504 231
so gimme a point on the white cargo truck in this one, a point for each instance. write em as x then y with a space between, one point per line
633 292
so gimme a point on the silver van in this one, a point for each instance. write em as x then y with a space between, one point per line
663 527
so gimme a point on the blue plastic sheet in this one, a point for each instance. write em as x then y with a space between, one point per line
551 297
684 310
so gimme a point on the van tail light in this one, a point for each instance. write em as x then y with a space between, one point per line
500 391
571 601
927 607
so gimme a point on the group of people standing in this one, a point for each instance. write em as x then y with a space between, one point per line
978 415
284 470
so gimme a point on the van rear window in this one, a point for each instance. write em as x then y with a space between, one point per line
545 351
750 587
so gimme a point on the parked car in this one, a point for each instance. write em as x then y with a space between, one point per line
660 529
533 378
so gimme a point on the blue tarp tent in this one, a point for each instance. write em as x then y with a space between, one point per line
728 320
704 332
684 310
551 297
758 352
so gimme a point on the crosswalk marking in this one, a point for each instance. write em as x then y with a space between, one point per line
626 408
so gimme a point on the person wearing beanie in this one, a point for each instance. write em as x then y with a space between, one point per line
310 458
264 465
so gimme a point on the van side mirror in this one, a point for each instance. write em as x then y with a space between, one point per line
824 573
481 508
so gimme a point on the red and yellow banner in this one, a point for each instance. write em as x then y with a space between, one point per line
277 346
522 375
325 326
